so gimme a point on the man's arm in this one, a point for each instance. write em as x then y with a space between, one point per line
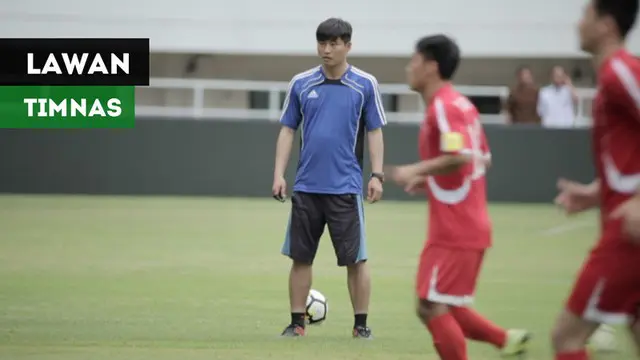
629 213
593 193
572 89
440 165
283 151
540 106
290 120
575 197
594 187
376 150
414 175
508 106
456 143
591 190
375 119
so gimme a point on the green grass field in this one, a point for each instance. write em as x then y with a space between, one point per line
125 278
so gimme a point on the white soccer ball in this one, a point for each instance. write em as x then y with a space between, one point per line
317 308
604 339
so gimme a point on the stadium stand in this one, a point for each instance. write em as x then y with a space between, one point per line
252 87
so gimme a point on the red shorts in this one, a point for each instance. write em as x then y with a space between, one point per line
448 275
608 288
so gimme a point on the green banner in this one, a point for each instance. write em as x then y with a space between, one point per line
68 107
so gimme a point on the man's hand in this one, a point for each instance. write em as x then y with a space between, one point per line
374 190
575 197
629 213
279 188
401 175
416 185
567 80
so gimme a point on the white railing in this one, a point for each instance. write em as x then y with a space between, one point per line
197 110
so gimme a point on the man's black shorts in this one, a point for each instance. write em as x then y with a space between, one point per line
343 215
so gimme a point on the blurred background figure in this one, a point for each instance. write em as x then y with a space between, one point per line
557 101
521 105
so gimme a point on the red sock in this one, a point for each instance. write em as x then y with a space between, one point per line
478 328
578 355
448 338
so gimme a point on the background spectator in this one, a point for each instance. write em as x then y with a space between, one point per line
557 101
523 99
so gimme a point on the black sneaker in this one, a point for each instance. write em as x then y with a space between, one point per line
362 332
293 330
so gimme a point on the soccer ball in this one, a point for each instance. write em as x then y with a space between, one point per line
317 308
604 339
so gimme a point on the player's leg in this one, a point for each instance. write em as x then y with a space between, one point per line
448 337
359 285
635 332
603 340
511 342
305 228
478 328
345 219
594 300
634 314
438 290
570 335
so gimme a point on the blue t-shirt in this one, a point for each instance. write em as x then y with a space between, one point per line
332 116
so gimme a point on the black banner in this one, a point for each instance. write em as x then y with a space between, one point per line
74 62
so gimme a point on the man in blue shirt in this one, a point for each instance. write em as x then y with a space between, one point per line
333 105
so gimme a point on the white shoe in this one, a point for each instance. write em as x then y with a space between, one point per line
517 342
603 340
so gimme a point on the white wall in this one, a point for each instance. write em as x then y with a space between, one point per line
184 98
496 72
486 71
539 28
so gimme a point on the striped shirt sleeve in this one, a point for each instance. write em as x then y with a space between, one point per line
374 115
623 87
450 122
291 113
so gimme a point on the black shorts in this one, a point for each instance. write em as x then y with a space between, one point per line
343 215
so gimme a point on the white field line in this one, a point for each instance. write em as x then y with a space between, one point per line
564 228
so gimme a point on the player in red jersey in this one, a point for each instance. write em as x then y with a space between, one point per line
607 289
454 153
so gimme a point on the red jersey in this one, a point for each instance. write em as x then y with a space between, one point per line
616 141
458 215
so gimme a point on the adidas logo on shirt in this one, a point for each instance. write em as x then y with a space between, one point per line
312 95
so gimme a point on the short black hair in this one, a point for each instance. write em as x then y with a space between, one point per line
443 50
623 12
333 29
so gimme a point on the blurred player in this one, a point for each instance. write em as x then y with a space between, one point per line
334 105
454 153
608 287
